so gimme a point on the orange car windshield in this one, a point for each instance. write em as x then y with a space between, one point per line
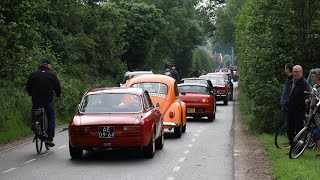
152 87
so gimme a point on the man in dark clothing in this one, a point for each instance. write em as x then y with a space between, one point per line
175 74
286 89
42 84
296 103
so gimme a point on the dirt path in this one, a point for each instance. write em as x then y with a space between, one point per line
250 159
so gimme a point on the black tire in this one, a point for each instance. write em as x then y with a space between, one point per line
184 128
39 145
225 101
149 150
178 131
281 140
75 153
300 143
160 140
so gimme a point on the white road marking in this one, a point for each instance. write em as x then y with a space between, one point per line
61 146
177 168
170 178
182 159
236 154
8 170
29 161
236 151
193 140
186 152
196 134
190 145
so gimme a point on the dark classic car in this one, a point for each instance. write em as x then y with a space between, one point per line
109 118
200 101
222 87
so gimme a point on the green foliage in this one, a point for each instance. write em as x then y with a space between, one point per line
201 60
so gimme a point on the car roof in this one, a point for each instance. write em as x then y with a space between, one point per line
192 84
152 78
125 90
135 73
194 78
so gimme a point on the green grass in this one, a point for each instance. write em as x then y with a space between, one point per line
305 167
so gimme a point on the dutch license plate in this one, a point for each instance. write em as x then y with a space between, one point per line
106 131
191 110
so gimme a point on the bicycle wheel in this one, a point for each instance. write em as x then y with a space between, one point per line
281 139
300 143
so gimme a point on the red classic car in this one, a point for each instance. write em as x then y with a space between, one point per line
200 101
219 82
116 118
164 94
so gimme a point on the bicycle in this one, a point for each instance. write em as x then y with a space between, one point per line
39 127
303 139
281 140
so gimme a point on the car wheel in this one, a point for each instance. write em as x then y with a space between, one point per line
149 150
160 140
225 101
212 117
184 128
178 130
75 153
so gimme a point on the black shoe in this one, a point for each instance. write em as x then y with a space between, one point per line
49 143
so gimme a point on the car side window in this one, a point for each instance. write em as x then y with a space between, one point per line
176 91
148 104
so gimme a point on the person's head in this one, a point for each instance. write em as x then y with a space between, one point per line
173 67
167 70
315 75
46 63
288 69
297 72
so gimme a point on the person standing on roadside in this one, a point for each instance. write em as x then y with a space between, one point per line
174 74
42 85
315 76
296 103
286 89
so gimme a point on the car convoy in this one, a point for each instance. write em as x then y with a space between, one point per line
136 114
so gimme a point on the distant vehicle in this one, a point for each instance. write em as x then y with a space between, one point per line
200 101
219 82
228 79
130 74
201 81
164 93
116 118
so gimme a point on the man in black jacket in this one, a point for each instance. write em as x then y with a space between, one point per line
296 103
41 86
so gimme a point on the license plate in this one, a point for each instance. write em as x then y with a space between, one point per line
106 131
191 110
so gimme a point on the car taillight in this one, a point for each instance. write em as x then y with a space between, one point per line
204 100
171 114
81 129
132 129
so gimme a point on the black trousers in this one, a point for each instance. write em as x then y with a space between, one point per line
295 122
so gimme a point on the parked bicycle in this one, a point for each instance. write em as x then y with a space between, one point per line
303 139
40 127
281 139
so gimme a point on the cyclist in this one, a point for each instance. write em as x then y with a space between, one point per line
315 76
42 84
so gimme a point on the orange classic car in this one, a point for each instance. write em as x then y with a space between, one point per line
165 96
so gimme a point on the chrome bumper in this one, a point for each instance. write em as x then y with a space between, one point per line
170 124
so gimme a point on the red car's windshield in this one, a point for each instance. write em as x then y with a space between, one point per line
110 103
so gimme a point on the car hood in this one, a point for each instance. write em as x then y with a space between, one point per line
105 119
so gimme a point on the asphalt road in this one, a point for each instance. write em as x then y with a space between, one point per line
205 151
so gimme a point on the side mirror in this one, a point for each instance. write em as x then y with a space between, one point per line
157 105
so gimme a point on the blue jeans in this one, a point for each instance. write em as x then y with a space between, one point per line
316 133
49 109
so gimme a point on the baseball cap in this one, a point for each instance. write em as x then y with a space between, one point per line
45 62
